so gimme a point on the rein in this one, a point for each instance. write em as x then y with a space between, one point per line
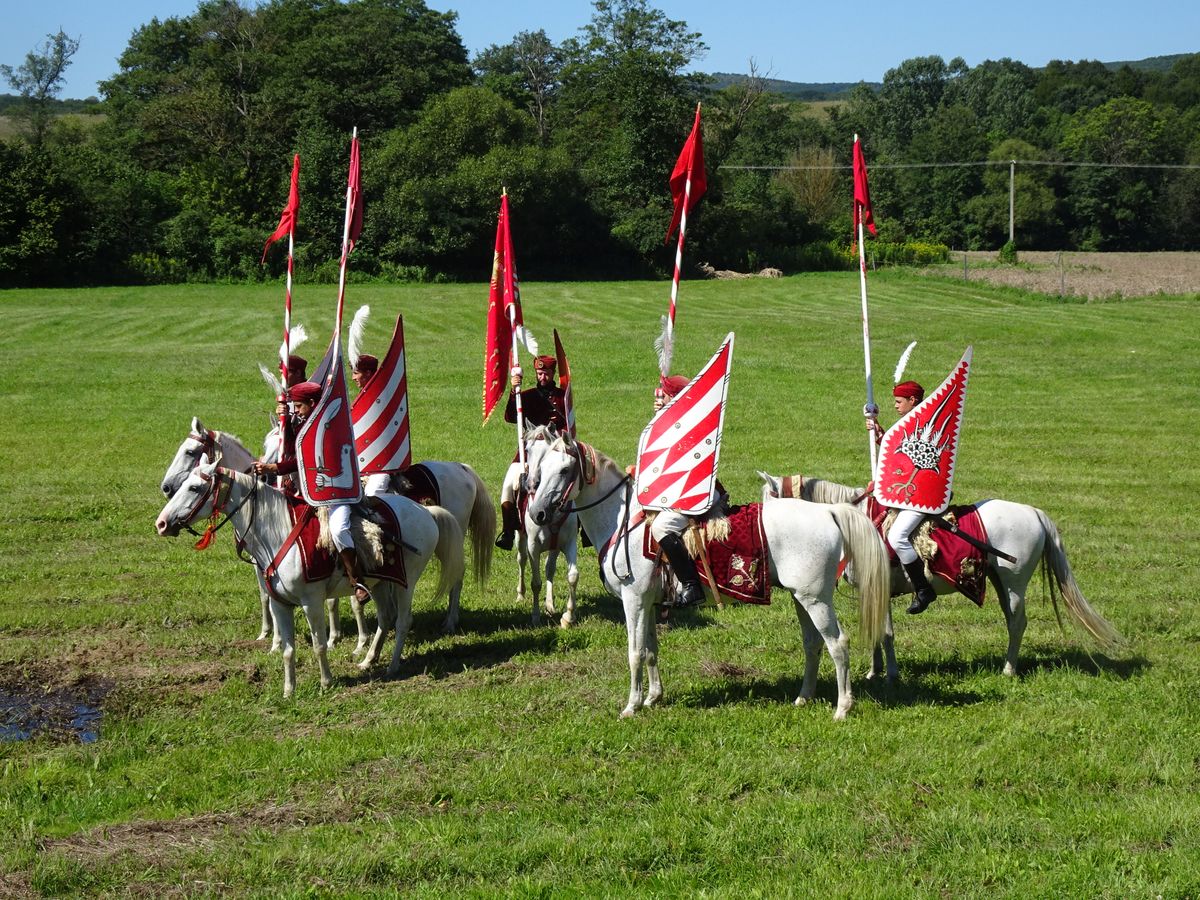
219 504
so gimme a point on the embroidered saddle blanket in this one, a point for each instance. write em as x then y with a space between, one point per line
378 543
945 554
737 553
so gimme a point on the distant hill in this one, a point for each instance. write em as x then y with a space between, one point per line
817 90
92 104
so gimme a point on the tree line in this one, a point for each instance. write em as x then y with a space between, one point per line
184 173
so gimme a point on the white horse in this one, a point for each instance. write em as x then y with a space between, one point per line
1023 532
261 521
804 543
559 535
462 493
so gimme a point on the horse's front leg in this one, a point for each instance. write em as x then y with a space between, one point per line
885 648
314 611
572 554
335 630
636 614
403 619
360 621
535 549
269 625
551 573
522 562
285 632
651 641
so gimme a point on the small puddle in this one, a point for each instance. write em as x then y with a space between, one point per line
64 712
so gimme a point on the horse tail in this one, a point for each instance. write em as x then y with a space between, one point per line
1056 573
864 548
482 528
449 549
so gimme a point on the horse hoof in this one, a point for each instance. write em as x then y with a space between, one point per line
1010 671
263 635
628 712
364 666
802 701
565 622
840 715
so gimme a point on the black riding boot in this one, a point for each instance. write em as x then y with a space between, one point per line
925 593
690 593
350 565
509 523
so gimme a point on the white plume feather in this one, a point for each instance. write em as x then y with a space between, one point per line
296 337
903 362
526 339
664 345
357 327
272 381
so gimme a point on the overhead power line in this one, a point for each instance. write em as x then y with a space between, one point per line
986 162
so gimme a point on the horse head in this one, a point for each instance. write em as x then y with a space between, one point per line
554 475
771 486
193 500
199 442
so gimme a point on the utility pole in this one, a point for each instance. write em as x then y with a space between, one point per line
1012 193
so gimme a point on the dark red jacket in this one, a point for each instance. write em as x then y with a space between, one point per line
541 406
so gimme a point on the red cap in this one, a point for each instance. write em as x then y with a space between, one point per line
909 389
296 366
545 364
305 392
367 363
673 384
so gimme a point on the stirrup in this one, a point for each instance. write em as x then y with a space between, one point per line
504 540
359 586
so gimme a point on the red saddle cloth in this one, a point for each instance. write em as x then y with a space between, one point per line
739 563
319 563
958 562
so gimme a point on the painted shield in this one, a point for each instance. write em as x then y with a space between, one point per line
679 450
917 455
328 468
380 413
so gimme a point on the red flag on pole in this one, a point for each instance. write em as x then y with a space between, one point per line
326 462
380 413
354 191
862 196
287 220
688 168
564 382
505 294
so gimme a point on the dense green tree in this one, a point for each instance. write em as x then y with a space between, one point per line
527 71
911 94
1035 216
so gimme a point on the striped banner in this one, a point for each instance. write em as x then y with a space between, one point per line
679 450
380 413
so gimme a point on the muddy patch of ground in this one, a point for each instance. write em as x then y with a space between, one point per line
1093 276
37 701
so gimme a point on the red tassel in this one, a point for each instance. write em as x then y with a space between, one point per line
207 538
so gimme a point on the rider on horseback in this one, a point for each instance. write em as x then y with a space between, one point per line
907 395
303 398
540 405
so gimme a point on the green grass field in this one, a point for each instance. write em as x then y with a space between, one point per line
497 764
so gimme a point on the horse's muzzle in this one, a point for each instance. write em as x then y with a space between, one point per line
166 530
540 517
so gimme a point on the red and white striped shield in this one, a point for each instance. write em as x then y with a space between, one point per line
327 467
380 413
564 382
679 449
917 455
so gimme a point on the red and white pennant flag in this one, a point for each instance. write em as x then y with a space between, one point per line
679 450
380 413
564 382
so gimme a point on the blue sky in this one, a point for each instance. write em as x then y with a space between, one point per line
795 40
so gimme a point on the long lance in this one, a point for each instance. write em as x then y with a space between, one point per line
669 340
870 410
337 332
287 328
510 302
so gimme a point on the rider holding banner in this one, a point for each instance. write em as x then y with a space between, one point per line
544 404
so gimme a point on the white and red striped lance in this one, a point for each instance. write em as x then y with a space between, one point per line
380 413
679 450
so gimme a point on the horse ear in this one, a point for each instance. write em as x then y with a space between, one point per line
197 428
203 460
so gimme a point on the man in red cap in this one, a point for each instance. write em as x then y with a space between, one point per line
669 525
304 397
544 404
908 394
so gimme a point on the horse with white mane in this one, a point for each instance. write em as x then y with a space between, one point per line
804 543
1024 532
462 493
261 523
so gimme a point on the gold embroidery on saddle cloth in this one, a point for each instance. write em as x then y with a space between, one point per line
923 542
375 548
